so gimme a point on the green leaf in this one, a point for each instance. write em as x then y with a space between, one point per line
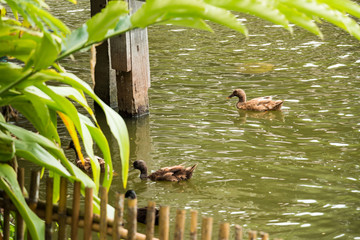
99 25
116 123
313 8
46 52
153 12
38 155
264 9
8 182
7 148
344 5
197 23
300 19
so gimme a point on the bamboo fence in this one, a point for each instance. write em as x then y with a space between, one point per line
106 226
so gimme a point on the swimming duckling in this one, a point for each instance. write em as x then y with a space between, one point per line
173 174
141 212
256 104
87 163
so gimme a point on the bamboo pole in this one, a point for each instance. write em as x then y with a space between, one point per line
34 192
179 224
103 206
150 220
193 224
62 209
88 218
118 216
238 232
224 231
49 208
164 223
76 210
19 220
252 235
95 226
264 236
132 222
34 189
6 230
206 228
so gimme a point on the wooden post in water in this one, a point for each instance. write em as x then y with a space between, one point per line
164 223
130 59
104 77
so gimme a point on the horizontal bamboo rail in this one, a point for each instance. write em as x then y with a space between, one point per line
107 225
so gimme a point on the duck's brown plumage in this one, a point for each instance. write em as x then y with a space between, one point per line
86 167
256 104
142 212
173 174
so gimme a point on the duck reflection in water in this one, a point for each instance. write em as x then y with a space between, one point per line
267 115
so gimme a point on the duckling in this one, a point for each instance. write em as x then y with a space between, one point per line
173 174
256 104
141 212
87 166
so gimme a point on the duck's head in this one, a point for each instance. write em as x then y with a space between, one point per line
238 93
140 165
130 194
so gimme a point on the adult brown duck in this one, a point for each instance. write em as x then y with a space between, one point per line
172 174
256 104
86 167
141 212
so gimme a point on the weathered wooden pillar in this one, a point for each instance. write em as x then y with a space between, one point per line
130 59
104 75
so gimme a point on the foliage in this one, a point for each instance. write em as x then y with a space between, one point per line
35 42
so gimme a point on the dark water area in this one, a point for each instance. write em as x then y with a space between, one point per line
294 173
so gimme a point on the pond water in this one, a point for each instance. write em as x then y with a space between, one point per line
294 173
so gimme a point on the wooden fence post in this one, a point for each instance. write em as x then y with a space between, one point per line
88 216
164 223
19 220
238 232
150 220
193 225
62 208
224 231
49 208
103 207
132 222
76 211
179 224
206 228
118 216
